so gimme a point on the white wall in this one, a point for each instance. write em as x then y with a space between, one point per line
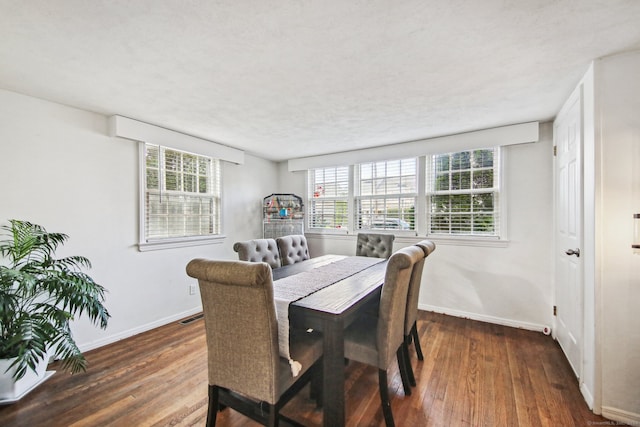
618 198
509 285
61 170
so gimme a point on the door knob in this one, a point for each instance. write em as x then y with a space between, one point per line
575 252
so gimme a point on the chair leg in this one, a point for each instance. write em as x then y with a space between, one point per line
416 341
272 420
412 378
402 367
213 406
316 385
384 397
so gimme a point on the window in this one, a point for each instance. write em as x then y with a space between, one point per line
463 193
328 196
386 194
453 196
181 195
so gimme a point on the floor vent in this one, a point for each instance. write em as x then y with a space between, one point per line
192 319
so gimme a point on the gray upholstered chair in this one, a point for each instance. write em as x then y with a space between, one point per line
293 248
377 340
411 314
246 372
375 245
258 250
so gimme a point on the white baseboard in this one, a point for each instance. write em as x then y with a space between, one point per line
135 331
174 318
489 319
588 397
621 416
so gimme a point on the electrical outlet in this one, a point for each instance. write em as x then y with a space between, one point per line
192 288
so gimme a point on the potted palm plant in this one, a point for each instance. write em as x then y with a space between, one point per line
39 295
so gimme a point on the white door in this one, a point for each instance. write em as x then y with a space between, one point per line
568 206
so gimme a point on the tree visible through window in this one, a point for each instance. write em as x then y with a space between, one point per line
463 193
182 194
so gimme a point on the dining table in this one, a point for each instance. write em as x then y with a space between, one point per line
330 310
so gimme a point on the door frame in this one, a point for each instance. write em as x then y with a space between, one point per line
576 96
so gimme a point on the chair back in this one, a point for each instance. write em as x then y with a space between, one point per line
411 315
258 250
393 302
293 248
241 326
427 246
375 245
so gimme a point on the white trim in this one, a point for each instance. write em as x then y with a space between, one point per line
630 418
180 243
420 215
421 210
127 128
140 329
501 230
142 177
478 241
506 135
169 243
483 318
502 194
586 393
410 238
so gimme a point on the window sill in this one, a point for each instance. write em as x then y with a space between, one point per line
469 241
411 238
327 232
179 243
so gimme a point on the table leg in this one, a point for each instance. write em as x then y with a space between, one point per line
333 374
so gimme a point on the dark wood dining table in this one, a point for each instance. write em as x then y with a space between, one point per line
331 310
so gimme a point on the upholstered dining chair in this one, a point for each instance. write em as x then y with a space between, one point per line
245 370
411 314
293 248
375 245
377 340
258 250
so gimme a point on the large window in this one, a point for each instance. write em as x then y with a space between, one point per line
463 193
386 194
182 195
453 195
328 198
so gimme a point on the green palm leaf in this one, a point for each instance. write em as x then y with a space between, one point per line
40 295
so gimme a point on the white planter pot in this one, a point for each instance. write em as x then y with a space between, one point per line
12 390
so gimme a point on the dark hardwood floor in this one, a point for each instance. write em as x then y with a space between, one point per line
474 374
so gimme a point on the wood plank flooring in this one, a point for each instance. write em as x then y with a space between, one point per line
474 374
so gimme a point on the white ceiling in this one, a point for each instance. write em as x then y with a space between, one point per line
292 78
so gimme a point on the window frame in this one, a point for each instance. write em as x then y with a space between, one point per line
174 242
422 209
310 199
469 191
359 197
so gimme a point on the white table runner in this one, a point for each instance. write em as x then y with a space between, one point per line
292 288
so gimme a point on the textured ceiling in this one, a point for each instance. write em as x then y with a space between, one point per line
292 78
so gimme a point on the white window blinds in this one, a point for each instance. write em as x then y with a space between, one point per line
182 194
463 193
328 196
386 194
